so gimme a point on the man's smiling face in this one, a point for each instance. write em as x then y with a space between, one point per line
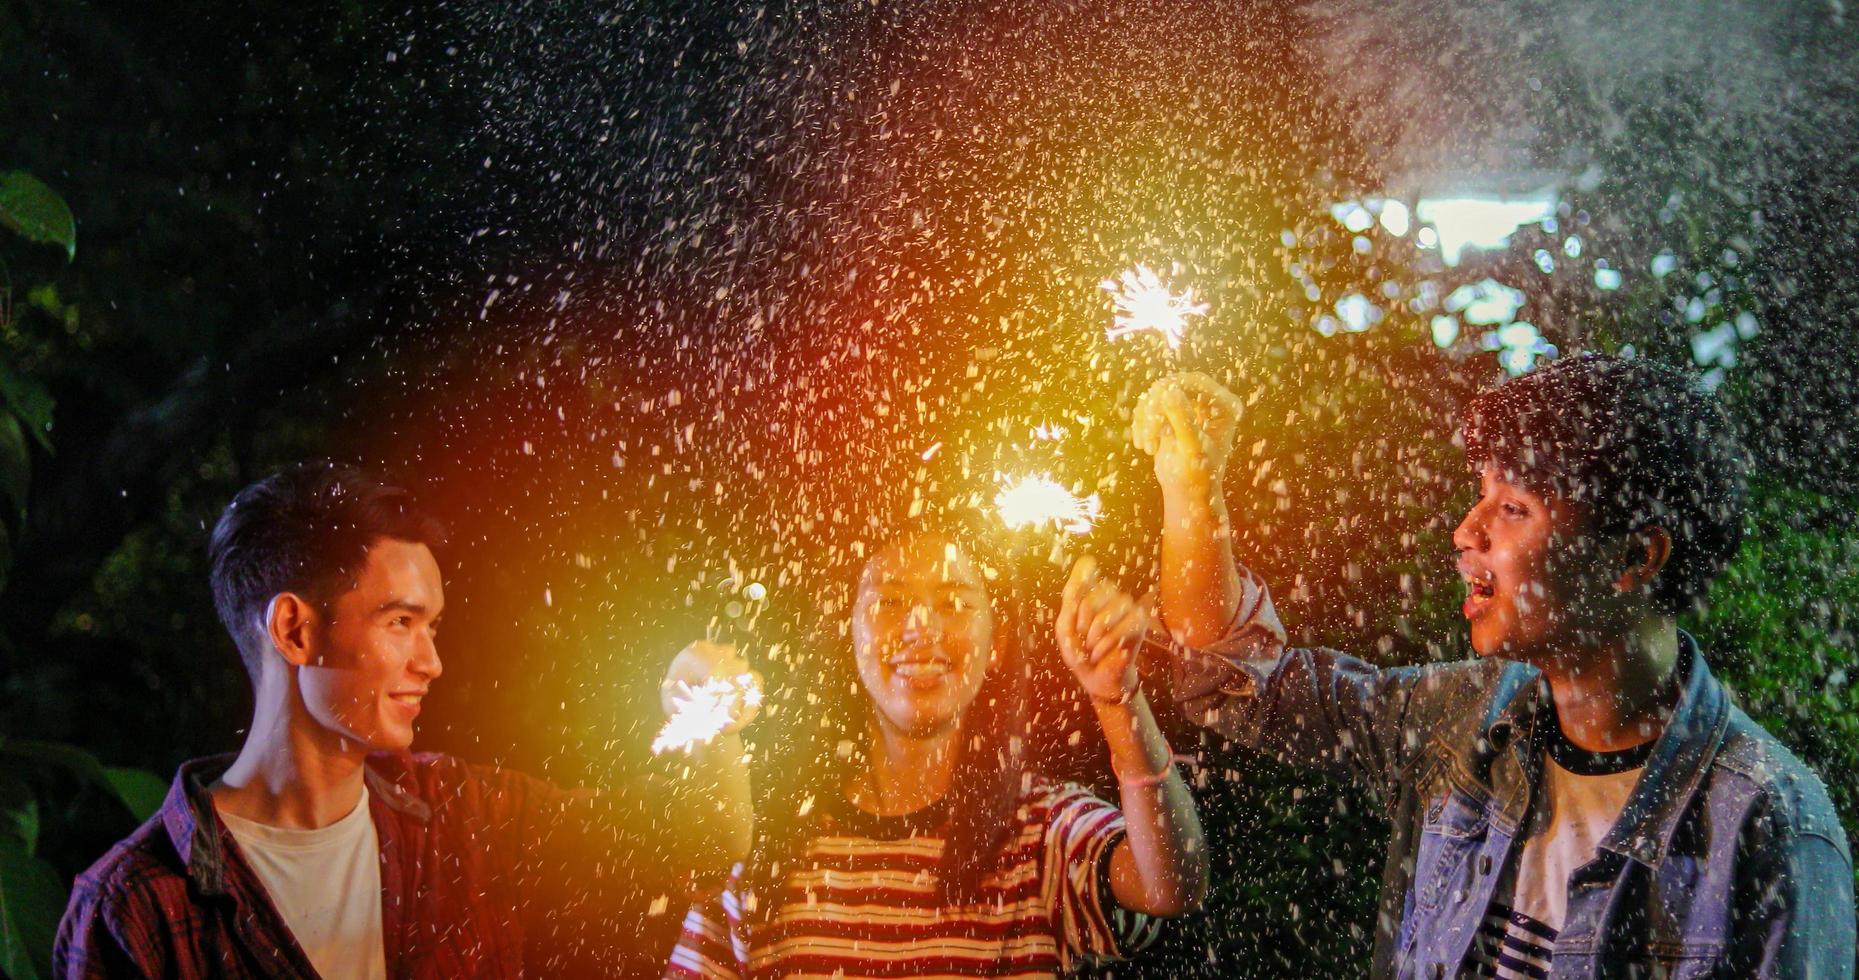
1534 584
377 654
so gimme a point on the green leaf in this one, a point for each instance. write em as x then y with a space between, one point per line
15 469
19 809
31 402
70 757
36 212
140 790
32 898
22 821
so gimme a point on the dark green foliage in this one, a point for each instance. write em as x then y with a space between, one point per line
32 896
1780 630
36 213
47 789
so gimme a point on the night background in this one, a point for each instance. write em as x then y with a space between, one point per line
655 301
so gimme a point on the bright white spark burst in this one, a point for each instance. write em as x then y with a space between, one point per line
1030 501
1144 302
701 713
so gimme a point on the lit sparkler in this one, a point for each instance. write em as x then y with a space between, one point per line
1030 501
701 713
1144 302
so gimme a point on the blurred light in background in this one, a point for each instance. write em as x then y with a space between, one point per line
1479 222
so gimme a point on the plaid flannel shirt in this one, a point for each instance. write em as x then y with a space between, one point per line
483 873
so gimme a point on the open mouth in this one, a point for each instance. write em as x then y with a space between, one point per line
1480 587
409 700
920 666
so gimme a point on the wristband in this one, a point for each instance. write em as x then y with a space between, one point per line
1151 779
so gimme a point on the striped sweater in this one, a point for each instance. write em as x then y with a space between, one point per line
863 902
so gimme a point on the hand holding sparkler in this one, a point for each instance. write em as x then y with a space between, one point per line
709 692
1100 629
1162 863
1187 422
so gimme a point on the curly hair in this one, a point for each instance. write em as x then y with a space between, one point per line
1636 443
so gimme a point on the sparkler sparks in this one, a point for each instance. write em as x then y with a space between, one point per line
1144 302
702 713
1030 501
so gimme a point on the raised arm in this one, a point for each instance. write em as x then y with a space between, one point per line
1187 423
1233 672
568 853
1161 866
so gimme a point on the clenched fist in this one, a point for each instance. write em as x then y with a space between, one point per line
700 663
1187 422
1101 629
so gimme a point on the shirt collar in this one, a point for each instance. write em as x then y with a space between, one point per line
198 835
1680 758
1675 769
1515 702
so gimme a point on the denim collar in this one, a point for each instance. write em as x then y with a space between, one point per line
1680 757
194 827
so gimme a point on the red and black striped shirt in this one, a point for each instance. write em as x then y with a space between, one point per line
863 902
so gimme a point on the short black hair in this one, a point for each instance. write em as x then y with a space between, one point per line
305 529
1636 443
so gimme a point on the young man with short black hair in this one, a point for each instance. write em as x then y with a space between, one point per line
326 848
1583 800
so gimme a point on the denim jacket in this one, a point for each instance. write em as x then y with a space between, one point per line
1727 860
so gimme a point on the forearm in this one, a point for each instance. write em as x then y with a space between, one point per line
1161 867
1201 589
716 803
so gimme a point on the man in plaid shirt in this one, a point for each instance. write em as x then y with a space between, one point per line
326 848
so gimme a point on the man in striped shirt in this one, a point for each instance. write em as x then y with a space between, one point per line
940 855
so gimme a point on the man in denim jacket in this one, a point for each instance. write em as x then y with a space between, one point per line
1583 800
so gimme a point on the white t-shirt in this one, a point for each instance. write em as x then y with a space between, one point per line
326 883
1581 796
